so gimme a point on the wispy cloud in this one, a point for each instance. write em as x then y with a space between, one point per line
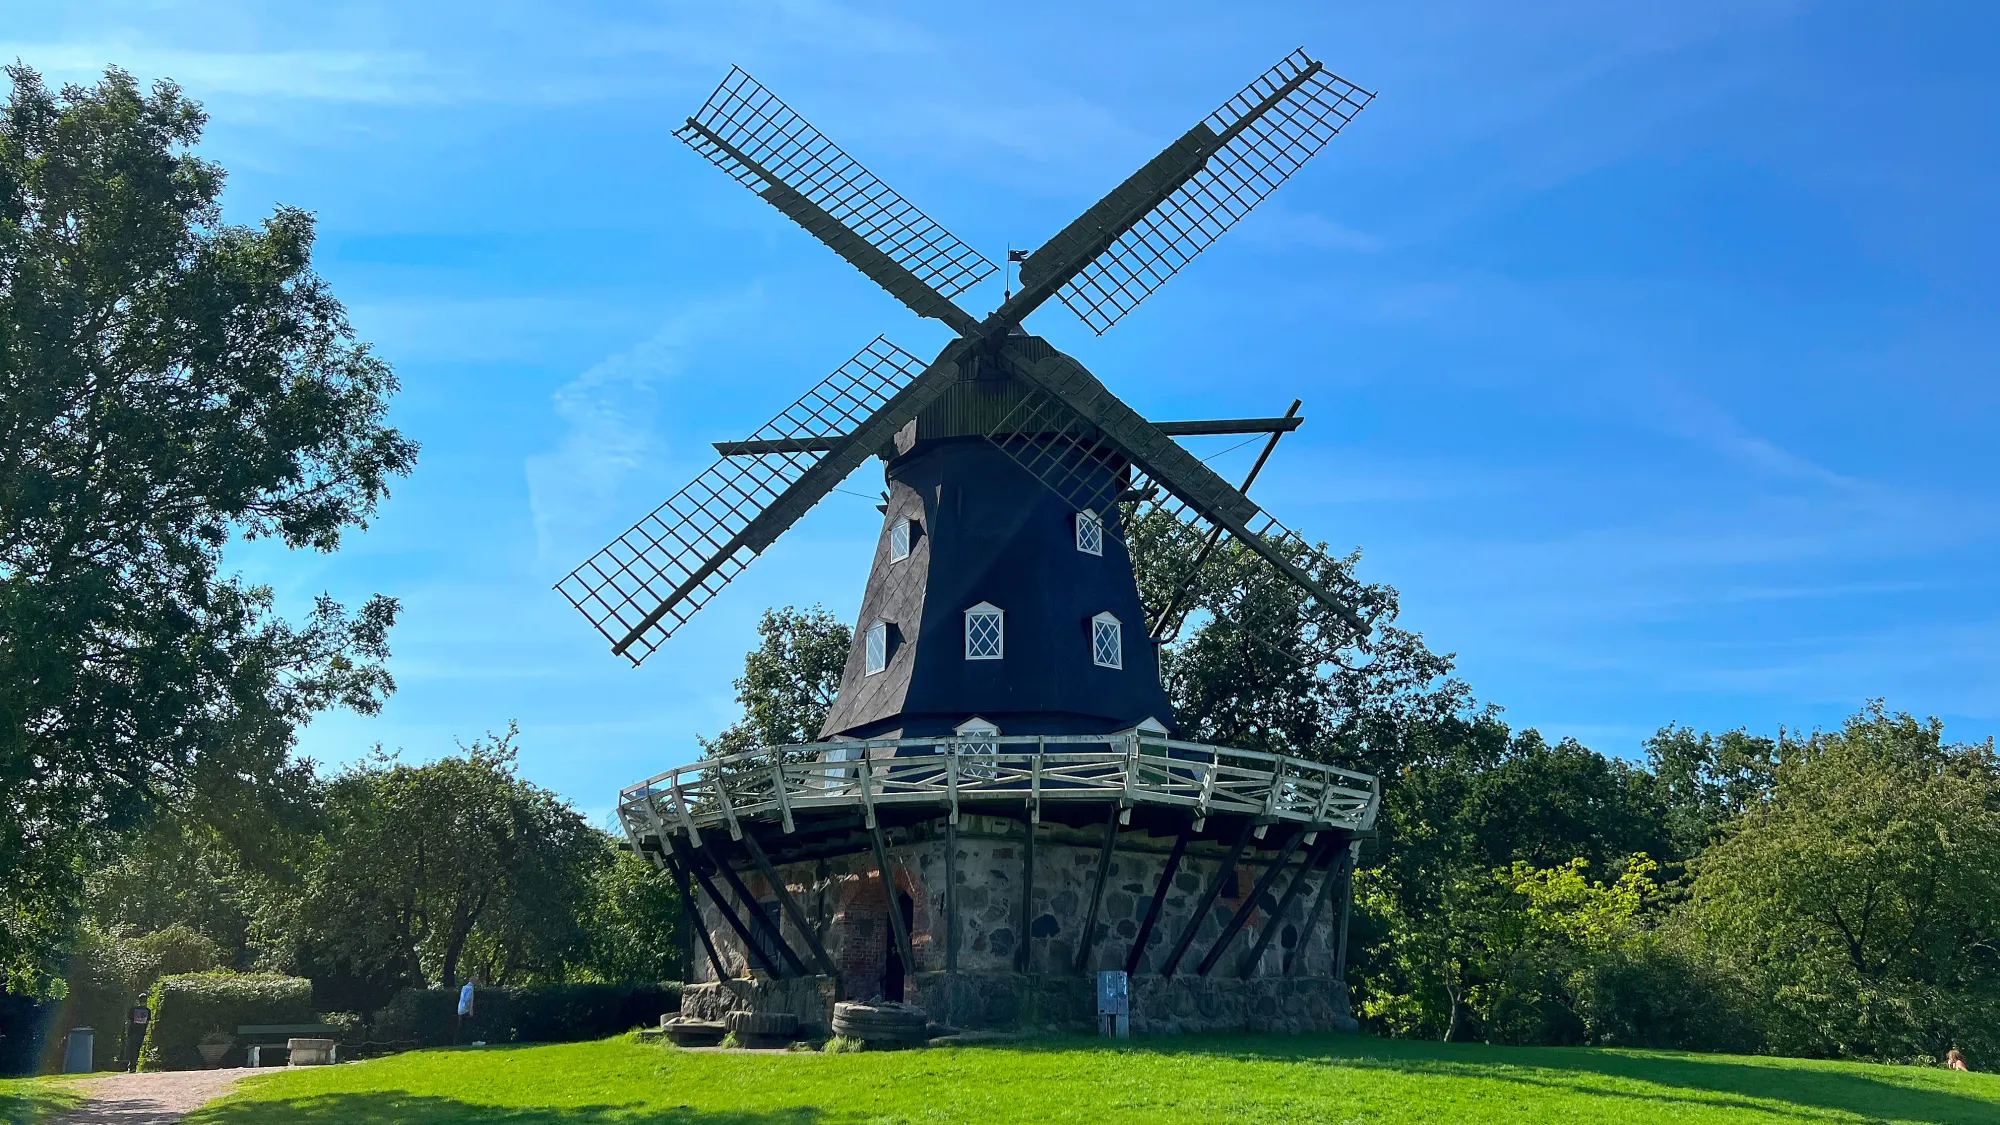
319 75
610 416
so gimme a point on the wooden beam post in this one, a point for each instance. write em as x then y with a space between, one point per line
896 926
1326 885
1193 925
1346 905
1087 939
764 921
1315 860
789 905
951 893
750 948
1159 899
1021 946
1249 903
691 912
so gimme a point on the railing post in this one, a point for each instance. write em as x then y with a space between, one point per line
951 776
680 806
867 792
728 810
1035 784
784 798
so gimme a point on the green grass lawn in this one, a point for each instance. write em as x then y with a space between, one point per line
24 1101
1240 1079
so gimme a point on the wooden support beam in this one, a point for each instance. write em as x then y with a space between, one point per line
896 925
951 893
1334 875
790 905
750 947
1193 925
1316 860
1159 899
1022 943
1087 939
1249 903
1346 905
691 911
1195 428
764 921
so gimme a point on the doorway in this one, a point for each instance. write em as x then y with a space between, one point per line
894 974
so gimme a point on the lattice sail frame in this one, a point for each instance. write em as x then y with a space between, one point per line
618 587
1236 178
750 117
1073 459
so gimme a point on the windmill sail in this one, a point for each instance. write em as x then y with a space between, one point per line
651 579
1127 245
1080 440
756 138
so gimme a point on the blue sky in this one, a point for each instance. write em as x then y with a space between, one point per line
1647 349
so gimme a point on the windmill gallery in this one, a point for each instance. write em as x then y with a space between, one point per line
998 808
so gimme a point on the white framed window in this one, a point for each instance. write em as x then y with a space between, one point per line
985 632
876 650
1107 641
977 728
1089 533
901 534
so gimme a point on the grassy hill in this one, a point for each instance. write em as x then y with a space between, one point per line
1336 1079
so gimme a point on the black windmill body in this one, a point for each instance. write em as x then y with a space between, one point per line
1002 593
1004 666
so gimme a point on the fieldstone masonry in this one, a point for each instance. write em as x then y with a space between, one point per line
842 896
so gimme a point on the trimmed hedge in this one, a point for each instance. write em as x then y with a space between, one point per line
188 1007
556 1013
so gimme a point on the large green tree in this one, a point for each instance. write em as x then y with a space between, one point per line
431 873
788 681
1860 901
168 382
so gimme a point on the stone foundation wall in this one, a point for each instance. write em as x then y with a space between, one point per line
1008 1001
809 998
843 898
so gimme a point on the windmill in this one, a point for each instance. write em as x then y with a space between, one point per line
1001 614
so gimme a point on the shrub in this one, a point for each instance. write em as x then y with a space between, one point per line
187 1008
556 1013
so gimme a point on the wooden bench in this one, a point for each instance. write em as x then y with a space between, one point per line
258 1038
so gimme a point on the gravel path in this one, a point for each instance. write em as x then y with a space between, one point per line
148 1099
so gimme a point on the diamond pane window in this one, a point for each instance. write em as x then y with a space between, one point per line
974 728
899 539
985 632
1089 533
1107 641
877 655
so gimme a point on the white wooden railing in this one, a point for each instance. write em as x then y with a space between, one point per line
1130 768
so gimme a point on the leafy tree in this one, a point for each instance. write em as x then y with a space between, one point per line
634 927
1860 900
1266 667
168 381
788 681
1707 781
429 872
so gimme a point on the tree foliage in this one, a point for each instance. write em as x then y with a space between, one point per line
1860 900
1262 665
788 681
168 381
